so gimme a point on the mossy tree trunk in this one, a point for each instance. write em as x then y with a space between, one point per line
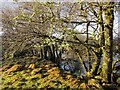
108 47
101 42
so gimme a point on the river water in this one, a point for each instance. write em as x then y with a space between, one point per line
71 65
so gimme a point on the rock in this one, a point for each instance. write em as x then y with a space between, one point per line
31 66
91 82
14 68
14 78
93 88
5 67
35 71
98 77
110 87
52 69
84 86
68 76
70 64
47 66
94 83
74 81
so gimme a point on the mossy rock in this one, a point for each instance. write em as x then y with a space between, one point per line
14 78
31 66
109 87
84 86
53 69
94 83
35 71
14 68
98 78
5 67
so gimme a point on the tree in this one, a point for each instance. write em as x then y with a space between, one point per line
49 29
108 47
116 42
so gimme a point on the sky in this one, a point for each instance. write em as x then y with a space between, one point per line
117 23
9 3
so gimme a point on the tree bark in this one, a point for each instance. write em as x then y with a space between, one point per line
101 42
108 47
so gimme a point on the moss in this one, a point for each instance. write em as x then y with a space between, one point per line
46 78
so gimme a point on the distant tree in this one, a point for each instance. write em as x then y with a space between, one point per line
116 42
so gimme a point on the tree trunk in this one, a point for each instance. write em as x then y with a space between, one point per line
41 53
45 53
53 52
101 42
108 47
